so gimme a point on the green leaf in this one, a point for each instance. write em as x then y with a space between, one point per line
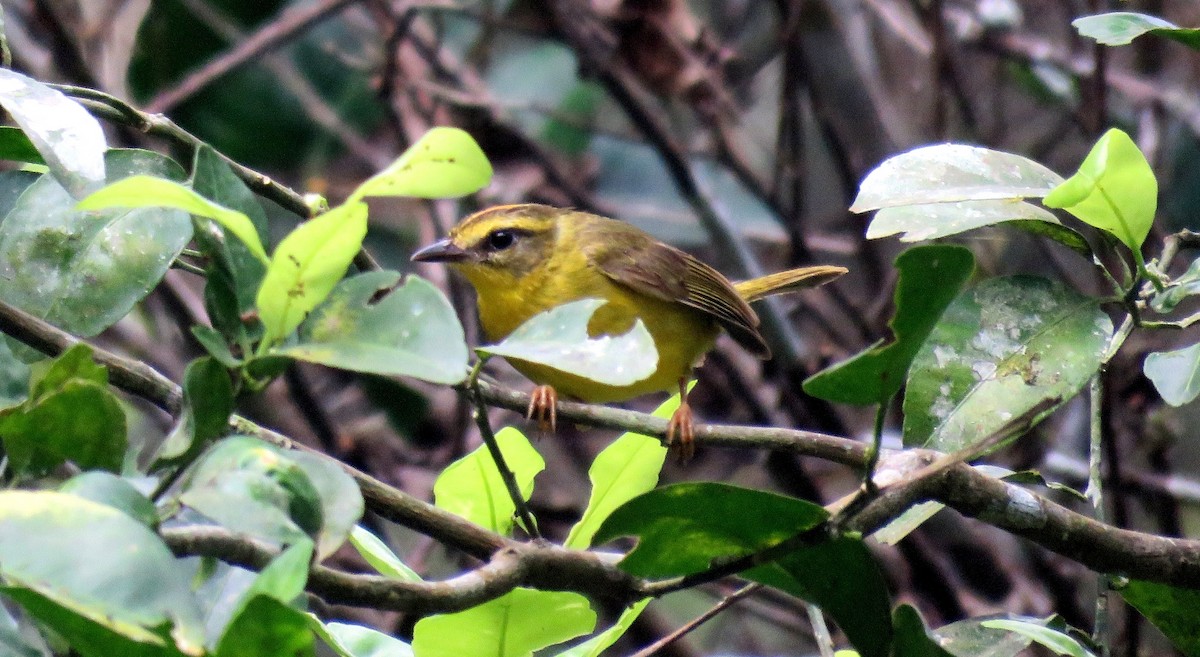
934 220
150 192
559 338
266 626
916 515
625 469
69 139
1119 28
111 490
370 323
971 637
357 641
930 277
443 163
207 405
340 499
129 591
255 488
1171 609
912 639
70 415
681 528
83 271
1114 190
214 343
1186 285
16 146
306 266
380 556
513 625
1175 374
1056 641
596 645
999 350
471 487
284 578
14 377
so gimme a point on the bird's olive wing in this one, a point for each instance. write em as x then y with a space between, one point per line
655 269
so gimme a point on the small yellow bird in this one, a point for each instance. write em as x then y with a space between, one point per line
525 259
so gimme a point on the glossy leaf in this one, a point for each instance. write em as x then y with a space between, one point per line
1175 374
1120 28
16 146
1058 642
207 405
622 471
371 323
110 490
471 487
933 220
971 637
444 163
1171 609
952 173
930 277
380 556
347 640
83 271
999 350
125 594
1114 190
69 139
151 192
559 338
513 625
306 266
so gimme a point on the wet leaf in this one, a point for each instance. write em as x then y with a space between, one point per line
559 338
444 163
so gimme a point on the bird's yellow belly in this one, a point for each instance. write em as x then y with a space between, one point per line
681 335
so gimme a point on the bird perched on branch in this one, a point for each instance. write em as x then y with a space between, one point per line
526 259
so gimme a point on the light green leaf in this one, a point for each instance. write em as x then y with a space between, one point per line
559 338
370 323
357 641
625 469
149 191
110 490
998 351
68 138
513 625
381 558
127 591
471 487
970 637
1119 28
596 645
306 266
1175 374
1114 190
1056 641
444 163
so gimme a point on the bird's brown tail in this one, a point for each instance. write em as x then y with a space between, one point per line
784 282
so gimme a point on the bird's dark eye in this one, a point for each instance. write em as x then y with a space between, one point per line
498 240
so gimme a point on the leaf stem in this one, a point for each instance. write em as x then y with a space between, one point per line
489 438
1095 493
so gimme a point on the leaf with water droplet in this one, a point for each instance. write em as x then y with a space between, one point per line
371 323
559 338
999 350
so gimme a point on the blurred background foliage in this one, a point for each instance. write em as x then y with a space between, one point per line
738 129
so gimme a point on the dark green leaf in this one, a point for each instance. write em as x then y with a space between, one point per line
372 324
559 338
912 638
306 266
1175 374
930 277
1000 350
129 586
1119 28
80 421
471 487
1171 609
111 490
69 139
266 626
16 146
513 625
83 271
48 376
214 343
207 405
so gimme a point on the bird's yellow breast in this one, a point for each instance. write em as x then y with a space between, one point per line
681 334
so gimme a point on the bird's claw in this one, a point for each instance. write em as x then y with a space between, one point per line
681 433
543 408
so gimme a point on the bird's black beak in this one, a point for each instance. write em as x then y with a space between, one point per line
441 251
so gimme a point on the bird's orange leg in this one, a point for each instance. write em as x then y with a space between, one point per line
543 408
681 429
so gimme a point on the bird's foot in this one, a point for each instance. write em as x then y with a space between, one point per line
543 408
681 433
